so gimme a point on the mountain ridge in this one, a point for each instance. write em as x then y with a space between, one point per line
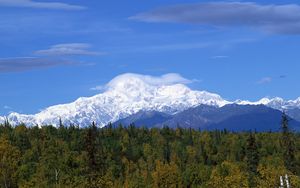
232 117
130 93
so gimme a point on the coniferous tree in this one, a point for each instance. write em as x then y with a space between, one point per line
9 159
288 145
90 144
60 123
252 159
6 123
190 137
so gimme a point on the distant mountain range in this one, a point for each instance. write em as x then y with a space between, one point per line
232 117
154 102
145 118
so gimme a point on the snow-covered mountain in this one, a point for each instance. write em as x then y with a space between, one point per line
124 95
128 94
276 103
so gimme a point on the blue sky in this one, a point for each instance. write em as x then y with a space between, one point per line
52 53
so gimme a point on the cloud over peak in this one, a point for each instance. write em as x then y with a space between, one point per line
40 5
283 19
127 79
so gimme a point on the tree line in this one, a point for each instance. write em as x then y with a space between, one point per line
69 156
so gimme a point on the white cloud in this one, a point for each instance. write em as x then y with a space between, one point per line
69 49
7 107
42 5
220 57
98 88
166 79
283 19
265 80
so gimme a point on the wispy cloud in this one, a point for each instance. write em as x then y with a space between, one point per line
56 55
7 107
183 46
98 88
18 64
217 44
40 5
283 19
265 80
169 47
220 57
69 49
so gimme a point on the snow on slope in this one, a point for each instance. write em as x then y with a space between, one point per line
2 119
129 93
276 103
123 96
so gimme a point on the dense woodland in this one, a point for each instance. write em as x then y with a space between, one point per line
69 156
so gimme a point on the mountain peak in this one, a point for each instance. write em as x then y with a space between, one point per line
123 96
130 93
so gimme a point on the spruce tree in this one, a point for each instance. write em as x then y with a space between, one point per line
90 145
60 123
252 159
288 145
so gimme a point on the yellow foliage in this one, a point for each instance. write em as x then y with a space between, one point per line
9 158
270 176
228 175
166 175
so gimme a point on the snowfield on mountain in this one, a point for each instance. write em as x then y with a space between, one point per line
130 93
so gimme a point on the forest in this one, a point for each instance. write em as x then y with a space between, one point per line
69 156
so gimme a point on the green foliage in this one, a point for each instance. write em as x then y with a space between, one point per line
252 160
9 159
288 146
140 157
